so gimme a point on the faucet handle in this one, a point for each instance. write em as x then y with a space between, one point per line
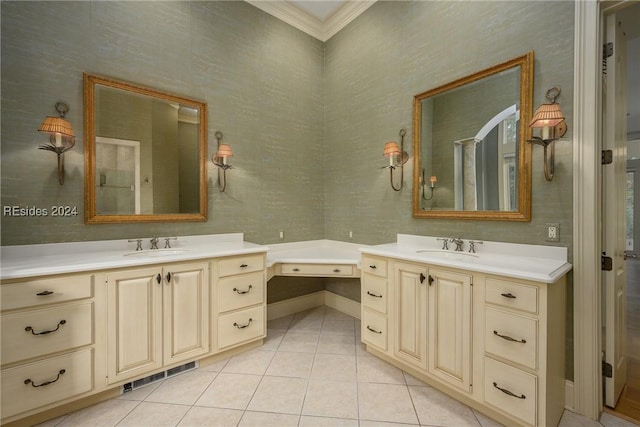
445 243
138 245
472 245
167 245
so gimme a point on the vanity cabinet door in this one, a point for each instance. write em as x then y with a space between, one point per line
134 337
410 313
450 327
185 311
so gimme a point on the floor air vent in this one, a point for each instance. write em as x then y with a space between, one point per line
130 386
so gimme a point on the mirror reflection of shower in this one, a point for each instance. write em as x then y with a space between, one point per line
117 176
485 165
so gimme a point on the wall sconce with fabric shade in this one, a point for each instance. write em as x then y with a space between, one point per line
61 136
397 158
432 185
550 120
220 159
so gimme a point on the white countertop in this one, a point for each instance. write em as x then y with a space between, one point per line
530 262
57 258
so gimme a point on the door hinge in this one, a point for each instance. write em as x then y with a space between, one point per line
606 263
607 157
607 369
607 50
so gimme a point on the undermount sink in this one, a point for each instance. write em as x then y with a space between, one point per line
450 255
153 253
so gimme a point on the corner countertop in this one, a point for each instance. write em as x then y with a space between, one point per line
314 252
59 258
539 263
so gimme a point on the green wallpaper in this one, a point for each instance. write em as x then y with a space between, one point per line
261 79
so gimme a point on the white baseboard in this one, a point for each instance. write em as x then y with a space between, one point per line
316 299
568 396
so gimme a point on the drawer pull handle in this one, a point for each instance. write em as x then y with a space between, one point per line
507 392
373 330
374 295
296 269
44 293
244 265
239 292
28 381
337 270
373 267
242 326
30 329
508 338
509 295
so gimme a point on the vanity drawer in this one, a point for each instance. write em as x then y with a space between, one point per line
374 293
51 380
240 291
511 337
45 291
25 336
511 390
240 264
513 295
374 329
317 269
241 326
374 265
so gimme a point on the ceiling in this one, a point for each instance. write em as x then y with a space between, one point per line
318 18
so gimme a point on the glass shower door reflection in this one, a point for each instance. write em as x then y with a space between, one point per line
117 176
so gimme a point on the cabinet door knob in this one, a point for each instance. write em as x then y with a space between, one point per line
168 276
30 329
159 278
422 277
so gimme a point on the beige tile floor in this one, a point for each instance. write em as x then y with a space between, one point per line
312 371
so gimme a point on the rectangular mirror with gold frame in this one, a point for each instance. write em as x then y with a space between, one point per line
471 158
145 154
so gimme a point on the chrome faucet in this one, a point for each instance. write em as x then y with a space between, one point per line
472 245
459 243
154 242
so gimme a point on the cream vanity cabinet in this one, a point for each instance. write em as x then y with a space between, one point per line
493 342
157 316
50 350
239 300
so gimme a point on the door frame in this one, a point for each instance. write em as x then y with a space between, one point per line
587 198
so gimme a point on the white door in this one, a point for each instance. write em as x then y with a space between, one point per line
614 183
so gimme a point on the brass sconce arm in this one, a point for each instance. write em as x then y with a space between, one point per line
220 160
397 158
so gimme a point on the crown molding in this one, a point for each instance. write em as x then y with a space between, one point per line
301 20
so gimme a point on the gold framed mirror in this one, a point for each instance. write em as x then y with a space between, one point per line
144 154
471 158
